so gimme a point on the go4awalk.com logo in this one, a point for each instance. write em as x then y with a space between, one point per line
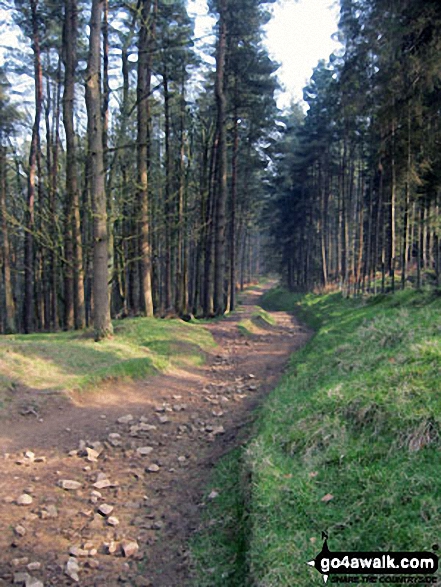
363 567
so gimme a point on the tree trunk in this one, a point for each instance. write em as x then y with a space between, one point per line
197 301
28 313
53 254
405 239
221 199
9 298
182 294
105 117
208 293
143 90
436 252
323 223
51 186
74 279
232 304
168 204
102 323
391 251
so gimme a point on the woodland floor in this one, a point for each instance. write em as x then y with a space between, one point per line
188 418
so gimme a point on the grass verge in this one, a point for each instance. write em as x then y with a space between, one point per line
219 548
259 321
349 443
73 361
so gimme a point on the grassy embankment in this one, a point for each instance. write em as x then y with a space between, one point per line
73 361
357 419
257 323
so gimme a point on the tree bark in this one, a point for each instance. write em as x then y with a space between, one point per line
102 323
221 194
233 262
143 90
53 254
182 280
28 311
9 298
168 204
74 278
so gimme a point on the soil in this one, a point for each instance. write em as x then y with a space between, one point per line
189 419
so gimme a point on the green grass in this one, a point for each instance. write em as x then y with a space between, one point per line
73 361
257 323
219 549
357 416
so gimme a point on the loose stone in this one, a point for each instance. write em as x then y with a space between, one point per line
24 499
72 569
50 511
92 455
21 578
102 484
77 552
20 562
111 547
33 582
153 468
144 450
105 509
129 548
70 485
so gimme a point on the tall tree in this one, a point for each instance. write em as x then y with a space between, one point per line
101 308
8 115
221 184
74 281
6 259
34 154
143 92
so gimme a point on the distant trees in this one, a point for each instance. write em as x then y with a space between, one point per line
246 111
362 182
90 231
147 200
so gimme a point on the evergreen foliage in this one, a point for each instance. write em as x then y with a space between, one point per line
361 172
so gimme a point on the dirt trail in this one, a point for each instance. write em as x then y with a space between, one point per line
152 468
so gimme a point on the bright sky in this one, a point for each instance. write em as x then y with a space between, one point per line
298 36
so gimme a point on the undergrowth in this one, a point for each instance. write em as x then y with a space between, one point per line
349 442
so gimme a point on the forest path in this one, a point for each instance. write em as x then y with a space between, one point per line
151 467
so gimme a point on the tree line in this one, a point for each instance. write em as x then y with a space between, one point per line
357 188
136 185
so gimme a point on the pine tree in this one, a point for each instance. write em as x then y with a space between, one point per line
101 310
